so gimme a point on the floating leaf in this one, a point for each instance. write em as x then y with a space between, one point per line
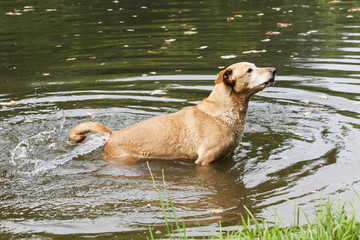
28 8
168 41
70 59
46 74
354 9
272 33
203 47
13 13
190 32
229 19
284 25
228 56
255 51
313 31
308 33
266 40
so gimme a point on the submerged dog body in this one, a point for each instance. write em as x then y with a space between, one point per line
206 132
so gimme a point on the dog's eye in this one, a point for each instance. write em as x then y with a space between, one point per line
249 70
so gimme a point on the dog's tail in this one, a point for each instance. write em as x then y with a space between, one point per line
77 133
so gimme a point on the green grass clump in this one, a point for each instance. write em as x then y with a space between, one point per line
331 221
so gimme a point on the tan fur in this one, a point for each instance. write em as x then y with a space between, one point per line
206 132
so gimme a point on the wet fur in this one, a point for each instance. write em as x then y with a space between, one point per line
204 133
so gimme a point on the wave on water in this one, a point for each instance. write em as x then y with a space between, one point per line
35 154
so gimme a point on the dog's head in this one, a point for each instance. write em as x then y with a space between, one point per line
246 78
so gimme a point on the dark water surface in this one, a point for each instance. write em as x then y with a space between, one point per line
119 62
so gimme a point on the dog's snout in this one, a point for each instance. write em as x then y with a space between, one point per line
273 71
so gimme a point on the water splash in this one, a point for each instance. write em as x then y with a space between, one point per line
34 155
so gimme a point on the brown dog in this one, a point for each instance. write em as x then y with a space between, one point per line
206 132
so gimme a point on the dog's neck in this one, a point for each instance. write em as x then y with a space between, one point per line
230 107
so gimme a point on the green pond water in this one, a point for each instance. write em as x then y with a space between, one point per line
119 62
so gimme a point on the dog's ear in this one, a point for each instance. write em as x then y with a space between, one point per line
224 76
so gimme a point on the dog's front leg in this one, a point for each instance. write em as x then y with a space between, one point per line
207 155
204 160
